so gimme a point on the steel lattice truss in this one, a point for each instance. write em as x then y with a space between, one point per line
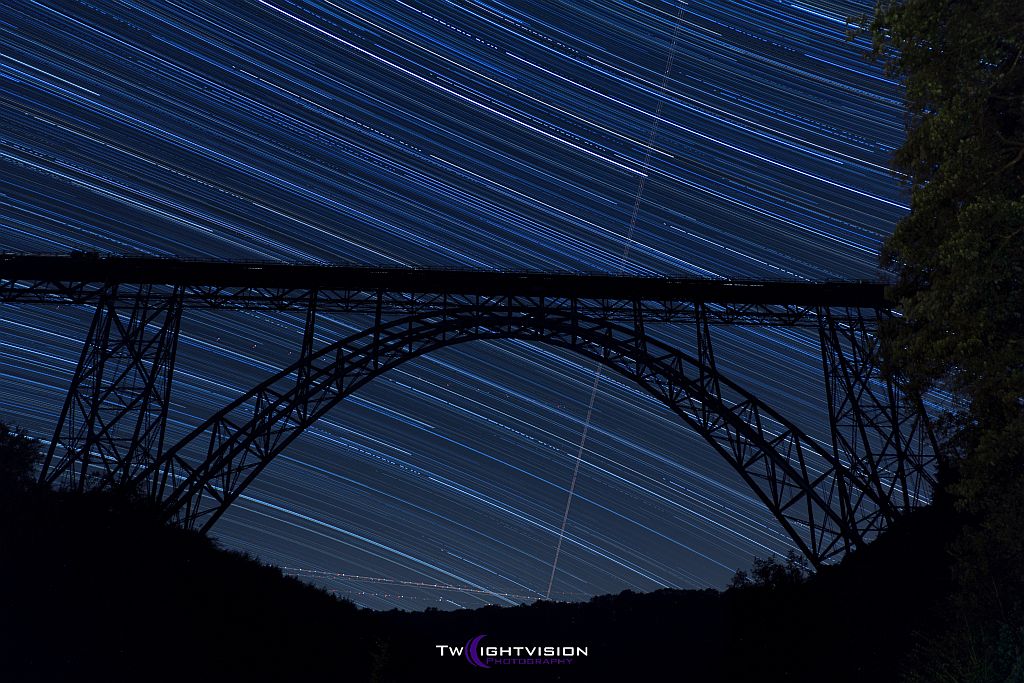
110 433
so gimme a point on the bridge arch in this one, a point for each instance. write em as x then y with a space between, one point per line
824 507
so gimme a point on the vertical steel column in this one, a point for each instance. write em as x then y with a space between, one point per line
642 369
113 419
307 340
708 374
377 317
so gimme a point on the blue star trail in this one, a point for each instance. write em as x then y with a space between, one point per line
710 139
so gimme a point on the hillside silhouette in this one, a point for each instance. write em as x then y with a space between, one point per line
95 587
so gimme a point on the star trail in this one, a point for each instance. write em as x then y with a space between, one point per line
706 139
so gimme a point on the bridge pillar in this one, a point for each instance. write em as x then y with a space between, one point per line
878 431
308 330
112 423
708 374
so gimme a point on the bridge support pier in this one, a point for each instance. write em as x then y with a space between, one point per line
878 431
112 423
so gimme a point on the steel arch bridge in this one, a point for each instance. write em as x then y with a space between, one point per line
830 498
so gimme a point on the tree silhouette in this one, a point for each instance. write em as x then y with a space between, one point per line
770 573
19 457
959 255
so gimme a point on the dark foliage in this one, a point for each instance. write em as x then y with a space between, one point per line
94 587
21 455
854 621
960 259
770 573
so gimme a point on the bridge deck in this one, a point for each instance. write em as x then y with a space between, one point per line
21 273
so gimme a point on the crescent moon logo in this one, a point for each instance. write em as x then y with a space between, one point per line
471 652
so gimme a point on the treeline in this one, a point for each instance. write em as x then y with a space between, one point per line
95 587
959 257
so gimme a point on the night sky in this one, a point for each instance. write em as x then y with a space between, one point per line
711 139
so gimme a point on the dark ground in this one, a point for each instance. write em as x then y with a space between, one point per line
95 588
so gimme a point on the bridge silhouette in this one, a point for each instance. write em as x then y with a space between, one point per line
829 497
